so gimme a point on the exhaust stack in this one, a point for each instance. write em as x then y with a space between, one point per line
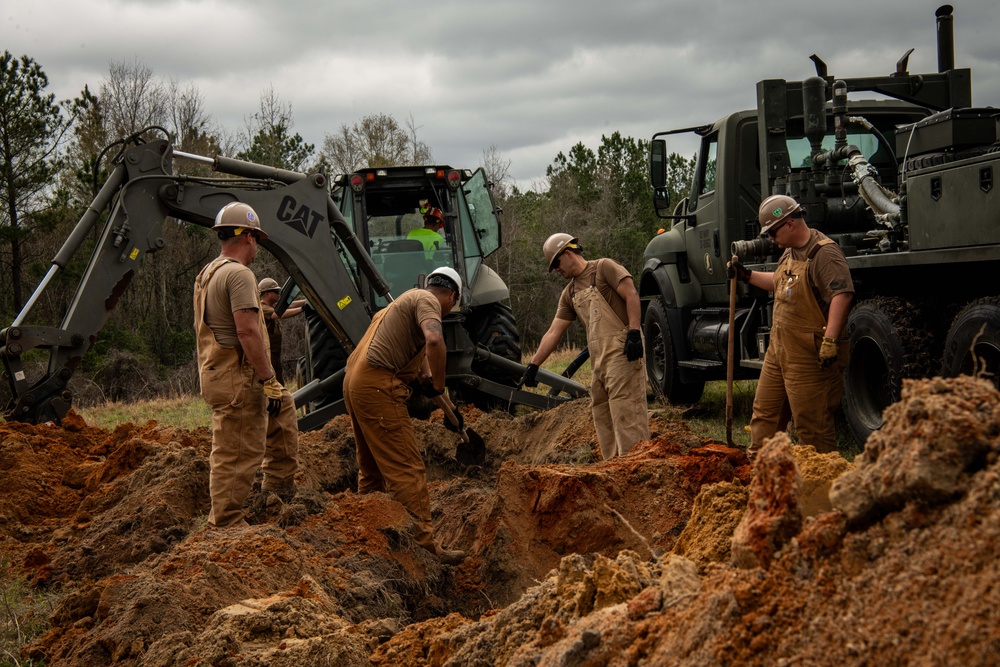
945 38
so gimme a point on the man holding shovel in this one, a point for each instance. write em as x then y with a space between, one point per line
404 342
802 378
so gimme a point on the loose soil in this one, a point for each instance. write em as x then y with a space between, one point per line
680 553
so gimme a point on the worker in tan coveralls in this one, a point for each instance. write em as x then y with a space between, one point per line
404 342
235 371
802 376
283 429
602 295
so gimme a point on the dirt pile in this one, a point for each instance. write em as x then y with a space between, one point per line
571 561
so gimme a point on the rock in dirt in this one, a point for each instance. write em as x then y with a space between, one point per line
939 432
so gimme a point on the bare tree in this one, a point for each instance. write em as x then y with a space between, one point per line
377 140
132 98
497 169
420 152
191 126
266 136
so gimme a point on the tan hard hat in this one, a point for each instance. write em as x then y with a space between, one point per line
774 210
268 285
555 244
238 214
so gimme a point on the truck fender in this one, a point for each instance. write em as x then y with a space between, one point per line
657 281
487 287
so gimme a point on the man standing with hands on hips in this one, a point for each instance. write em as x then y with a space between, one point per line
802 377
602 295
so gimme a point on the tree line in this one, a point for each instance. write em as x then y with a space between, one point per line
56 155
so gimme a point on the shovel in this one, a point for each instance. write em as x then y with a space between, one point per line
730 355
472 450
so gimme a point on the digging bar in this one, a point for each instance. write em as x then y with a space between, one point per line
730 354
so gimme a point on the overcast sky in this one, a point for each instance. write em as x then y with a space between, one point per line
531 77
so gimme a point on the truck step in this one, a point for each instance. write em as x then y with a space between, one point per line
699 364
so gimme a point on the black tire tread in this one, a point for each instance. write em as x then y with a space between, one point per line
659 344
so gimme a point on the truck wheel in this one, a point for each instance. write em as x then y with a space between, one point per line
973 343
326 357
493 326
888 342
661 360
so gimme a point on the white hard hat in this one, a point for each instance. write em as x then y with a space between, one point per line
446 276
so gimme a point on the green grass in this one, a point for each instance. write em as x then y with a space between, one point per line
559 360
188 412
708 417
24 616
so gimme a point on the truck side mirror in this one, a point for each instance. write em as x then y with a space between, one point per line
658 164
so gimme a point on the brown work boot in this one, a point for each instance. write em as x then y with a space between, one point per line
451 556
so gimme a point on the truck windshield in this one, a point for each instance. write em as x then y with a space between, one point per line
799 151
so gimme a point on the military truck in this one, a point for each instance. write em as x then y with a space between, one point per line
384 207
904 183
336 271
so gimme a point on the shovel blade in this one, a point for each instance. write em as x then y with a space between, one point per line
471 451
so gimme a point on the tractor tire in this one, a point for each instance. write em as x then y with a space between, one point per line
661 360
888 340
325 357
972 346
493 326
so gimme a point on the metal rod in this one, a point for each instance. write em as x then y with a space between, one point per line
76 237
53 270
731 353
195 158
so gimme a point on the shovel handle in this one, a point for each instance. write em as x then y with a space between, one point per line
730 354
450 414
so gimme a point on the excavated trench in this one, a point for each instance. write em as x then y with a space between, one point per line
679 553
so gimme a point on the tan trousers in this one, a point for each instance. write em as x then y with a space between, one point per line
618 392
618 386
792 384
281 450
389 457
239 419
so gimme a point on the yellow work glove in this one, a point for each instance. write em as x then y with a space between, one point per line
827 352
273 391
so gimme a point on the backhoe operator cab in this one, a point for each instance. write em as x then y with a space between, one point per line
385 206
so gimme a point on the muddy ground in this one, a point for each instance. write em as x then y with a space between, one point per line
680 553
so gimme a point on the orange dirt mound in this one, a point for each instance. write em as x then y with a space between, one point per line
571 562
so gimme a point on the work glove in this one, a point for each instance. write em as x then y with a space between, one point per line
738 271
461 422
828 352
273 392
633 345
528 379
